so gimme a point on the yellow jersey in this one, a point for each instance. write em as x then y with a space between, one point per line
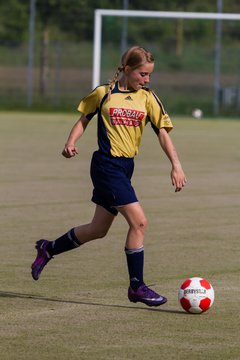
122 118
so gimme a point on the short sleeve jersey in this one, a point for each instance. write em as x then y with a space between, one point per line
122 118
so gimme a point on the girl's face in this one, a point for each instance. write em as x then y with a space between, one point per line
139 77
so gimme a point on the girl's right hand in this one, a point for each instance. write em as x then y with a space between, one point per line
69 151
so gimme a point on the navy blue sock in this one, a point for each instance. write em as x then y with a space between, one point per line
64 243
135 262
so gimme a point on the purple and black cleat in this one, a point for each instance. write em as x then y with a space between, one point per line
145 295
42 258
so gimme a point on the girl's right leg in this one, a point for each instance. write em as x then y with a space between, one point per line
98 228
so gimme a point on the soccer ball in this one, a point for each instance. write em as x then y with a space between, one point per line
196 295
197 113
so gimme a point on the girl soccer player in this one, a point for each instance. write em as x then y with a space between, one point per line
123 108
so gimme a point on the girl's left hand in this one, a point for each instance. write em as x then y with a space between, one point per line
178 177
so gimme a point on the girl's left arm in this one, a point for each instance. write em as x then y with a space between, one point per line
177 174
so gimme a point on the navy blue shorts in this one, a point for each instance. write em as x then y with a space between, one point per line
111 177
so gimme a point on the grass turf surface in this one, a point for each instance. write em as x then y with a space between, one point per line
79 307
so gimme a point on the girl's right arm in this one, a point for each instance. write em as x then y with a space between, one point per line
78 129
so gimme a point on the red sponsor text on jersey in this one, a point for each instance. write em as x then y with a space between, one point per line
128 117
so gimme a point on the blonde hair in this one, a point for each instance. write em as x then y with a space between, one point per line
134 57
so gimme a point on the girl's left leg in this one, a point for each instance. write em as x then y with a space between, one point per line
134 249
138 291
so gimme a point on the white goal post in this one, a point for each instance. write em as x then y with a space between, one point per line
99 13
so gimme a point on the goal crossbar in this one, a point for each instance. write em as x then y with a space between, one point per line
168 14
99 13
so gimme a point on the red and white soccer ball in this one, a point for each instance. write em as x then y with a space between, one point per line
196 295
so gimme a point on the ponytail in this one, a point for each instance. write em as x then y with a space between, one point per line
114 80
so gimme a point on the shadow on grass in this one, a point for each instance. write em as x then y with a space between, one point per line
7 294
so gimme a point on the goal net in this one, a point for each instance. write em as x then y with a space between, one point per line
197 55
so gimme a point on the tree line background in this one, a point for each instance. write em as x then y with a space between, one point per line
63 50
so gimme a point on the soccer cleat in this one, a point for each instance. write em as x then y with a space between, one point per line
145 295
42 258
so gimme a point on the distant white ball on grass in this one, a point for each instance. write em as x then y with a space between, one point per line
196 295
197 113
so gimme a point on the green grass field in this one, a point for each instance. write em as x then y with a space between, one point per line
79 307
